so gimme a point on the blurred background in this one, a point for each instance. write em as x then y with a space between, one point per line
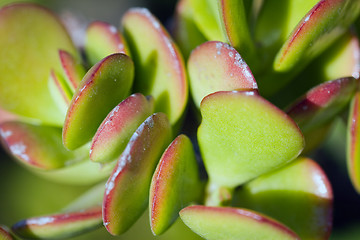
24 194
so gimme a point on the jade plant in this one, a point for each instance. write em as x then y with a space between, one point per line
214 134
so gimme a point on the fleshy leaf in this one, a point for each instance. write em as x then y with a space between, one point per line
4 234
92 101
160 70
207 19
319 28
216 66
127 190
115 131
322 103
29 51
186 33
225 223
353 154
285 194
59 91
72 70
103 39
242 136
234 23
37 146
61 225
175 184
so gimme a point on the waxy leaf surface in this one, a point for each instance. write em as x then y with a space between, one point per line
160 70
105 85
59 91
353 142
216 66
61 225
37 146
225 223
322 103
103 39
72 70
186 33
242 136
319 28
115 131
299 195
32 37
127 190
175 184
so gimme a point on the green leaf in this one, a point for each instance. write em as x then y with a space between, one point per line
186 33
115 131
103 39
175 184
159 66
216 66
29 50
299 195
242 136
353 154
5 234
72 70
127 190
92 101
225 223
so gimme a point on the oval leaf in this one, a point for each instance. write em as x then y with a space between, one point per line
220 223
175 184
243 136
127 190
160 70
23 84
216 66
92 101
115 131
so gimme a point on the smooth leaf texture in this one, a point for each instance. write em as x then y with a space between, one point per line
61 225
320 27
59 91
37 146
322 103
72 70
299 195
233 19
29 51
160 70
92 101
353 143
242 136
216 66
186 33
103 39
220 223
175 184
115 131
127 190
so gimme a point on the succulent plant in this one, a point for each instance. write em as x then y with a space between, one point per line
254 92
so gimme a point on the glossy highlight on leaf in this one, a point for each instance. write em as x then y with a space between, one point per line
320 27
242 136
159 66
92 101
103 39
298 186
322 103
31 27
226 223
215 66
127 190
59 225
175 184
115 131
